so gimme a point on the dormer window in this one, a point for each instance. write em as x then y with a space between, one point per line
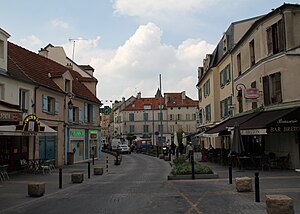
225 42
67 86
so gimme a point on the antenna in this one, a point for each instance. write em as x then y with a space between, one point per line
73 49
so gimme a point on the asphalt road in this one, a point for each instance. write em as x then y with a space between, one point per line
140 185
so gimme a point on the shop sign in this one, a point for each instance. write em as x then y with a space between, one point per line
10 116
31 123
251 93
93 134
280 129
254 132
77 133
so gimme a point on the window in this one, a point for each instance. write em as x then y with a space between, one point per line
239 64
146 128
160 128
160 116
188 116
252 53
208 113
200 94
275 38
131 128
1 49
172 127
207 88
171 116
225 76
23 99
89 113
178 117
147 107
225 107
49 105
272 89
67 85
1 91
145 116
254 104
193 116
131 117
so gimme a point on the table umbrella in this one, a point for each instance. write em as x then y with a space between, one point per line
237 145
184 139
175 139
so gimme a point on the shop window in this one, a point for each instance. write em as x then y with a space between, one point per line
275 38
50 105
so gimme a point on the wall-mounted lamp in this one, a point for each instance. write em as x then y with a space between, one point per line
239 87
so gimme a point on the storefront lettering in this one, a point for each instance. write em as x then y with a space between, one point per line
254 132
93 134
284 129
9 116
281 121
77 133
31 124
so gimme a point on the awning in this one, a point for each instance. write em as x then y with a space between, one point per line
273 121
222 128
11 130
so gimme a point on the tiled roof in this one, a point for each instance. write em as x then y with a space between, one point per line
138 104
29 66
176 100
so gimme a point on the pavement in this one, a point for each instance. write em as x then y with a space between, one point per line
14 192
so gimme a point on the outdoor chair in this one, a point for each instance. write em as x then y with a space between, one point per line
46 166
23 164
3 172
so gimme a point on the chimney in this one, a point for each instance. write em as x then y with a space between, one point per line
43 52
69 66
183 96
139 95
123 99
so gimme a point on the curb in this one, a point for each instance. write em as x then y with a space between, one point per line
197 176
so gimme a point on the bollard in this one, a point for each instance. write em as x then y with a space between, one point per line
106 163
93 159
193 165
89 170
257 198
230 172
157 151
170 155
60 178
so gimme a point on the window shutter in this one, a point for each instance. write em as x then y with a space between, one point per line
86 112
228 74
56 106
45 103
70 111
226 107
281 36
221 109
221 79
93 113
80 115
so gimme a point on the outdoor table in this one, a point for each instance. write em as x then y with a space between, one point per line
244 161
34 165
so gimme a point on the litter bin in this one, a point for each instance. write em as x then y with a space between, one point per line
70 158
165 150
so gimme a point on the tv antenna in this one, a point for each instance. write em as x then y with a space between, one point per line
73 49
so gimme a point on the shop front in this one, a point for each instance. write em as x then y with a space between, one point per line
93 142
77 144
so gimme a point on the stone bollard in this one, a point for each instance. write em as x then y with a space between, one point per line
167 158
77 177
161 156
98 171
36 189
277 204
243 184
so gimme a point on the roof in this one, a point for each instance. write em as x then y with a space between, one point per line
25 65
86 67
177 100
138 104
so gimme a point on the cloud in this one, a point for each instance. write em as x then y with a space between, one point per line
151 9
136 65
31 42
60 24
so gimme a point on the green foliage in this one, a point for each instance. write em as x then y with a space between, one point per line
180 135
182 167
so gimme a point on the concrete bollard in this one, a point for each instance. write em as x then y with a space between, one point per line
98 171
77 177
36 189
277 204
243 184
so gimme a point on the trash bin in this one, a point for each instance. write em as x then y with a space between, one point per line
70 158
165 150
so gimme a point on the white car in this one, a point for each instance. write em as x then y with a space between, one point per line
123 148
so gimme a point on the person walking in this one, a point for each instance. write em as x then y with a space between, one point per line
190 151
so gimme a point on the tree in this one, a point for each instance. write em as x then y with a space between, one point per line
180 135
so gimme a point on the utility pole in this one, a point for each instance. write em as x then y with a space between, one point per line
160 107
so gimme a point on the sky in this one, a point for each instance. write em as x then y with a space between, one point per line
130 43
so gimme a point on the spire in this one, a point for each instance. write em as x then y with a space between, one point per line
158 94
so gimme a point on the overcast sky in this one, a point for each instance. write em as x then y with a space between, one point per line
130 42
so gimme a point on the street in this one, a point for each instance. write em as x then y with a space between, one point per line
140 185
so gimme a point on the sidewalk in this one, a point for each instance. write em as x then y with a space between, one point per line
14 191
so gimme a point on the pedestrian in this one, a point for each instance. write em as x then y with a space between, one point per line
190 151
173 148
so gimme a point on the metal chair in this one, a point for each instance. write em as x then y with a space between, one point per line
3 172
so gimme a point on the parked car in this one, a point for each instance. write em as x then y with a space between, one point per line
123 149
